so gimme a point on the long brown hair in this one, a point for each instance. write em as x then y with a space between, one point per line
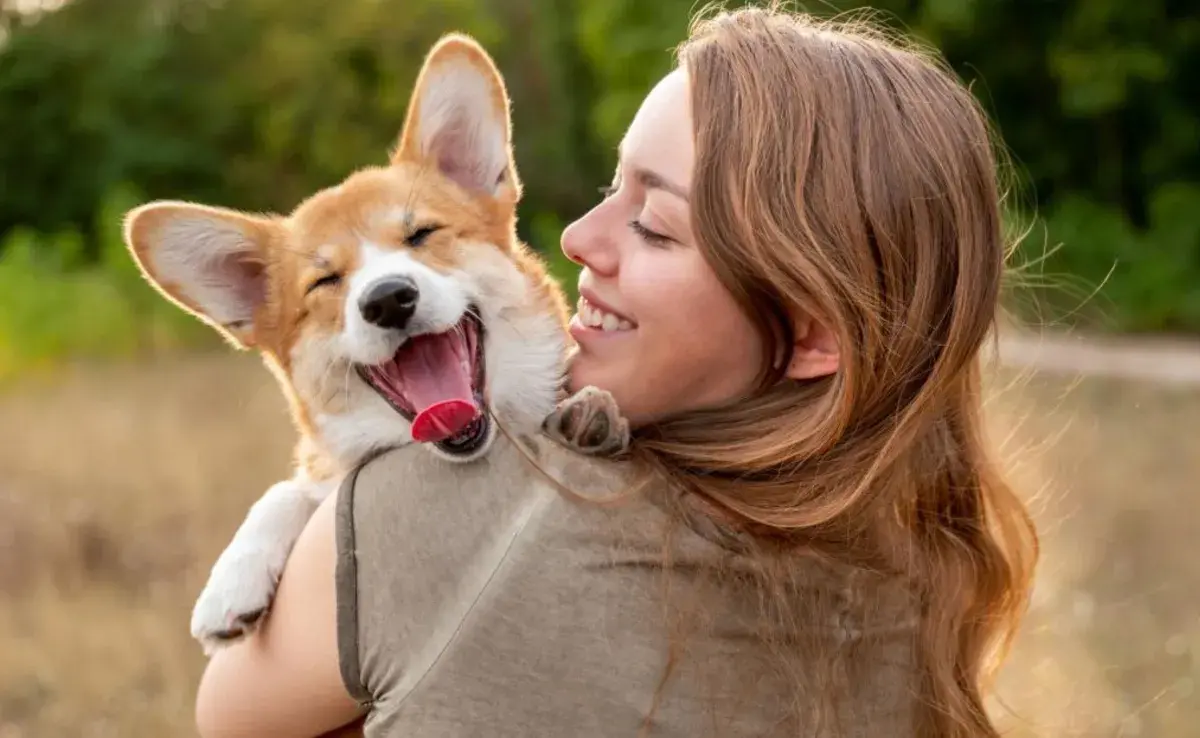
848 175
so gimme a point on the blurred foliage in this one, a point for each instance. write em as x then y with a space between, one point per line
257 103
58 301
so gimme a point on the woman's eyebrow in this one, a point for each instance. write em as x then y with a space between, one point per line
650 179
655 181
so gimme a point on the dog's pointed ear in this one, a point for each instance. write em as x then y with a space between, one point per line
212 262
458 119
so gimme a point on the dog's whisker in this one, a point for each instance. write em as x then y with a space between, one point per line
412 192
516 328
324 381
313 258
474 313
346 381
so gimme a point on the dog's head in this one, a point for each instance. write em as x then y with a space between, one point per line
398 304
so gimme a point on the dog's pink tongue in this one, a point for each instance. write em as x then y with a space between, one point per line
437 384
443 420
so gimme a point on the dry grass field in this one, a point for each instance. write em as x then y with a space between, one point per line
119 485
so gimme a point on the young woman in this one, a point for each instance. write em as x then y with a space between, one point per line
802 251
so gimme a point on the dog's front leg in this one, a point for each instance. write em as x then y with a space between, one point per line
242 582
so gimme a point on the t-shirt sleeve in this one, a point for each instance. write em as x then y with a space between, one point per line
346 588
418 540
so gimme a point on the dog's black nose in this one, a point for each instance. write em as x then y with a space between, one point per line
390 302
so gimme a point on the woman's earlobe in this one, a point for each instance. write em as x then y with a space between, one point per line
815 351
811 364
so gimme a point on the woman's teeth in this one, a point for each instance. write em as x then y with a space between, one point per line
594 317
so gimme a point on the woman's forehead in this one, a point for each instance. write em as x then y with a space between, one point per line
660 137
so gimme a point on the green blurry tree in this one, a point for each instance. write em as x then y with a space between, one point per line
256 103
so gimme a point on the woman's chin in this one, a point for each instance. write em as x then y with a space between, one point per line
585 371
581 374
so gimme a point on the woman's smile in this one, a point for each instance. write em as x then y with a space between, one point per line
595 319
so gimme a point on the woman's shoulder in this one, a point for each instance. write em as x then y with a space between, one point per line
506 568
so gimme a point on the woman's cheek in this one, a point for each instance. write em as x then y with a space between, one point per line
657 292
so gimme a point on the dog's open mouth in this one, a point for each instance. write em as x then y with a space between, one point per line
436 382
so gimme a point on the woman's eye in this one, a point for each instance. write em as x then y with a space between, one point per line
329 280
651 237
608 190
417 237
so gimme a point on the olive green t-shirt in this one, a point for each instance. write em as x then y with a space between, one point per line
478 600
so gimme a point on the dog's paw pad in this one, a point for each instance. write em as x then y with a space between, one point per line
234 601
567 419
589 422
235 627
597 431
241 626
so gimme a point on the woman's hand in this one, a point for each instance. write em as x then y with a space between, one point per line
283 680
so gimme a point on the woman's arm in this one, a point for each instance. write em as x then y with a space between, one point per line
283 681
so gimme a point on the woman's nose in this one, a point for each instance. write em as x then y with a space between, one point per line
590 242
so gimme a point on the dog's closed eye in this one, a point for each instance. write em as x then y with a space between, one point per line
417 237
328 280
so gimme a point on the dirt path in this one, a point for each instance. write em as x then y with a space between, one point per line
124 482
1162 360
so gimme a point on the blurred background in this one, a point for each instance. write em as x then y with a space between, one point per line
132 440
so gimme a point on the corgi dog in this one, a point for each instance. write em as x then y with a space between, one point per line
396 307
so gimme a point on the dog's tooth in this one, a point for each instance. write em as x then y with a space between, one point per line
610 322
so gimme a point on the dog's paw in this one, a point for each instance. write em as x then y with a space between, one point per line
235 599
590 423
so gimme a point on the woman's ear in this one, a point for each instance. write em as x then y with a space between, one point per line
814 351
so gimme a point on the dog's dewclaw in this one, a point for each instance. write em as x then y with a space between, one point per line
589 422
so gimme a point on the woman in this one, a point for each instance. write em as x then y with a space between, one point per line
822 545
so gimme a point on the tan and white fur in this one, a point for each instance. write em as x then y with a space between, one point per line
440 216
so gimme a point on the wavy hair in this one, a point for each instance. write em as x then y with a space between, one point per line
846 174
